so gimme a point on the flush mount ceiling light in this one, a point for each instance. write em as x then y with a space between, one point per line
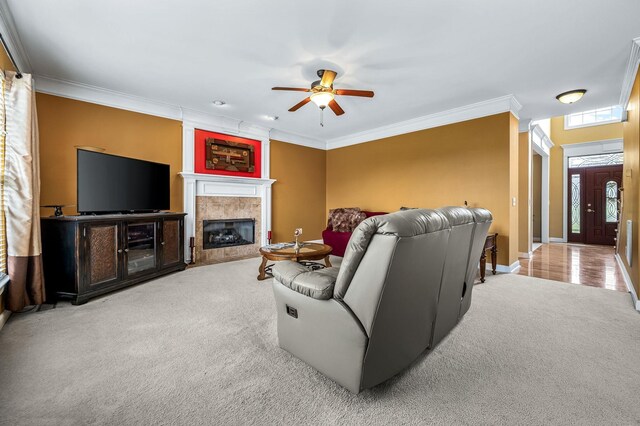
218 102
571 96
271 117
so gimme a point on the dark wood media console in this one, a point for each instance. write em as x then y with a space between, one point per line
87 256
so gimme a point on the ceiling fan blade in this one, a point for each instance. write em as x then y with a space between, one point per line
299 104
348 92
336 108
295 89
327 78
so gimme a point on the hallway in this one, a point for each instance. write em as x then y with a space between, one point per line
590 265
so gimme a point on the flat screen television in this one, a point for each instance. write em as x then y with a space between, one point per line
112 184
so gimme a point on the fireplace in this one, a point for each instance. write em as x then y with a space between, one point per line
228 233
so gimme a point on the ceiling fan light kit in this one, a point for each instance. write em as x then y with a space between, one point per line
322 99
571 96
323 94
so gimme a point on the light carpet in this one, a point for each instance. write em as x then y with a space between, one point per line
200 347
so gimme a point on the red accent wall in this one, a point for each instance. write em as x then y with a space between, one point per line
200 158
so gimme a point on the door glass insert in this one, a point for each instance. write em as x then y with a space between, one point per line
575 204
141 245
611 201
596 160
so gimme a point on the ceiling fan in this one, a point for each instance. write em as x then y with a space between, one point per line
323 93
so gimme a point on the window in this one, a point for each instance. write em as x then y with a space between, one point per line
575 204
596 160
3 239
594 117
611 201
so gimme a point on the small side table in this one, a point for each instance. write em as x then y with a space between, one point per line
305 255
490 244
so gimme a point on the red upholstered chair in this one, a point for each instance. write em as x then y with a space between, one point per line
339 240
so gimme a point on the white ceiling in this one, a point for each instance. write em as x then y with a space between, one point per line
420 57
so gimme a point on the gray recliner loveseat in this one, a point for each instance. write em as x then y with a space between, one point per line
404 282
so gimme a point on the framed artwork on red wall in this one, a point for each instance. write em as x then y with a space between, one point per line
220 154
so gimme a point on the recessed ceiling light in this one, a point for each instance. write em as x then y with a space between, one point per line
218 102
271 117
571 96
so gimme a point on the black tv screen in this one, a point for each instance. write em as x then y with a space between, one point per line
109 183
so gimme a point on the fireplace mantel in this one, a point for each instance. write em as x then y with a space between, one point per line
201 177
211 185
204 185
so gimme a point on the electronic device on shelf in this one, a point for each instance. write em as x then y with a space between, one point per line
113 184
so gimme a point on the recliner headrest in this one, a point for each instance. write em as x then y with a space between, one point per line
409 223
481 215
457 215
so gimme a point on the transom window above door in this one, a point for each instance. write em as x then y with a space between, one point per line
596 160
594 117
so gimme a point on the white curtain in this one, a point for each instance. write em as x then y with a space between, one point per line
21 192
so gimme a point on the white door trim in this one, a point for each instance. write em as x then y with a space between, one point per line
541 144
607 146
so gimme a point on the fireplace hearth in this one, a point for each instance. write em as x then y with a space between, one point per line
228 233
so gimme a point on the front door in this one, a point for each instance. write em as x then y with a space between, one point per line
593 196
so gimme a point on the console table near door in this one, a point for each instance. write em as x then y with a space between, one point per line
491 243
87 256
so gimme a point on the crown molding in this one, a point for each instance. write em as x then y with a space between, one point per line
499 105
198 119
630 73
524 125
296 139
10 34
204 121
97 95
541 138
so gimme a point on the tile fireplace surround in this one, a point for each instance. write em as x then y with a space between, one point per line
212 208
211 197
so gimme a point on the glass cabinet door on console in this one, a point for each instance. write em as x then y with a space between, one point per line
141 255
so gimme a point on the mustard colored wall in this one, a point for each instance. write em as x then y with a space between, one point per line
5 62
536 202
432 168
64 123
299 193
560 137
524 174
631 185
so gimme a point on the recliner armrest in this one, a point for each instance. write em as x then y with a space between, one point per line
316 284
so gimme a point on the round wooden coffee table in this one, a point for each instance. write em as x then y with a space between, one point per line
307 253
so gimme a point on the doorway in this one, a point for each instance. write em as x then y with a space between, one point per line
536 197
593 197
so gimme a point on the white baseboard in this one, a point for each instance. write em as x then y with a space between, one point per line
525 255
505 269
556 240
629 283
